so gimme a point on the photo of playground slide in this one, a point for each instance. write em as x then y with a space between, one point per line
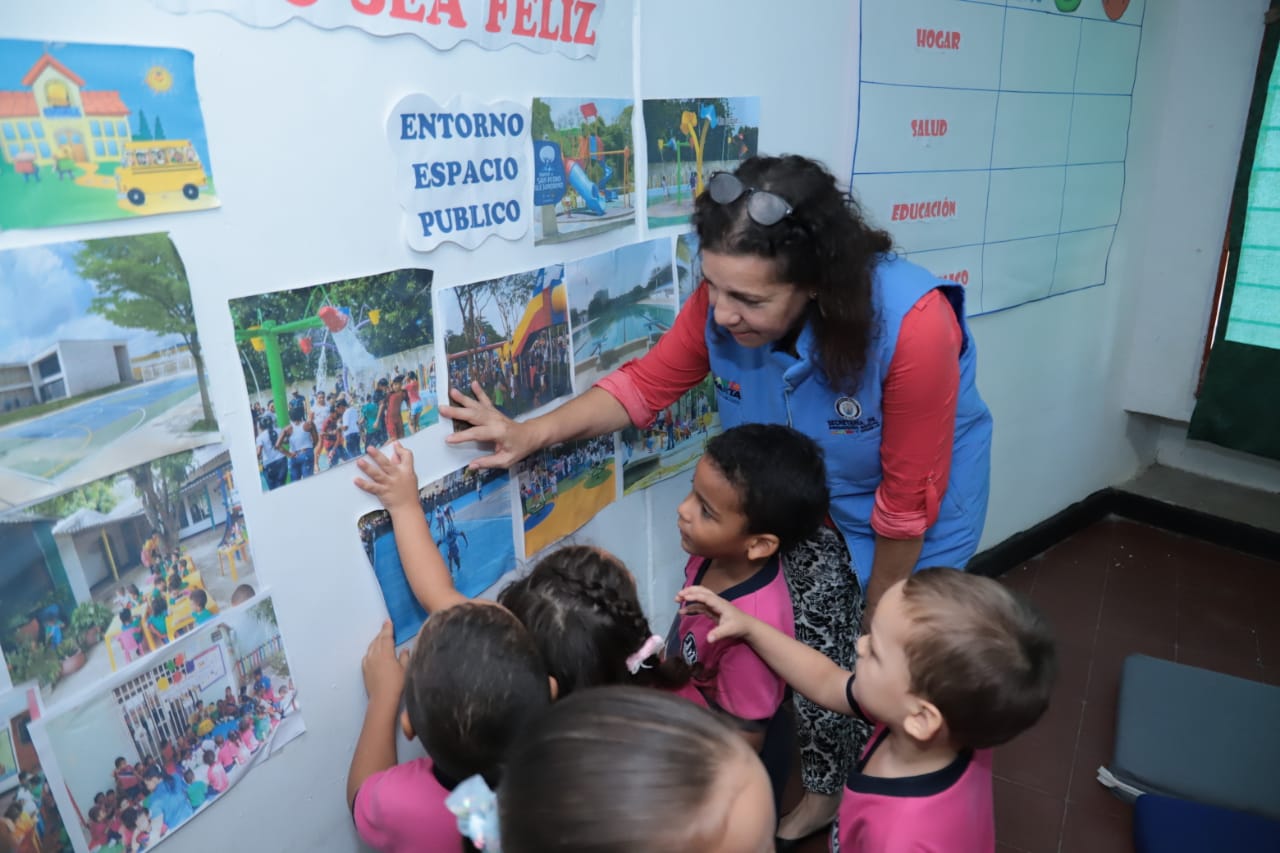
687 140
95 132
172 738
23 782
469 513
620 303
333 368
675 441
583 166
563 487
119 569
101 372
511 335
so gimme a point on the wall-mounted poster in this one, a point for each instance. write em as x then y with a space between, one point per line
563 487
687 140
103 371
511 335
621 303
171 738
120 568
675 440
469 514
25 788
333 368
583 167
462 169
564 26
91 132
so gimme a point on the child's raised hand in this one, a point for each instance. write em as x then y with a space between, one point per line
383 671
730 621
391 479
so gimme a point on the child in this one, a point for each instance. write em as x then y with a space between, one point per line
197 789
758 488
579 603
200 606
228 750
215 773
464 715
953 665
137 829
156 625
128 783
395 402
622 768
247 738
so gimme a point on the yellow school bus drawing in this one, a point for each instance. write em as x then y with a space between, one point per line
159 166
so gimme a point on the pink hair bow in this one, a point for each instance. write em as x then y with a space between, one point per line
651 647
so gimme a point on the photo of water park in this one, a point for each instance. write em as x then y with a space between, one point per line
511 335
120 568
95 132
563 487
32 820
334 368
687 140
104 370
469 514
620 304
584 167
161 745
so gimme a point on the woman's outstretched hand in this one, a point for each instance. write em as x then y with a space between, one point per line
511 440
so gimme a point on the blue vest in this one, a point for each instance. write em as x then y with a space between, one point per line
766 385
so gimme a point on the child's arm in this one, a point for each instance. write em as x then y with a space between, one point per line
809 672
384 681
393 481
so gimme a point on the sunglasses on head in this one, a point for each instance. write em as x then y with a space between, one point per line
764 208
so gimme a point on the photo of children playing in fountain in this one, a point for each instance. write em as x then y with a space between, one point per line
620 304
333 368
675 440
563 487
511 335
120 568
155 749
469 514
29 817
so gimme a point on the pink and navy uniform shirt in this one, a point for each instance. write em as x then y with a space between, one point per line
401 810
728 675
947 810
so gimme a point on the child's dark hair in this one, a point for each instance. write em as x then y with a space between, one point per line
473 680
978 652
617 770
779 476
581 607
199 598
129 817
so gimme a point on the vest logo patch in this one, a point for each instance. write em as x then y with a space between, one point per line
727 389
689 649
848 408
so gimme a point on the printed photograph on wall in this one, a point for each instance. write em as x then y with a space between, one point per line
620 304
334 368
121 568
563 487
469 513
675 440
511 335
687 141
584 167
101 365
90 132
170 739
31 817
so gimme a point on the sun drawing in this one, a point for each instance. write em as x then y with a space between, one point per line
159 79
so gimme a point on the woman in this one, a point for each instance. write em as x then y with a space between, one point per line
806 317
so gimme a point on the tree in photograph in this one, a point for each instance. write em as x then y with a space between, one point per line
98 496
143 133
158 485
141 284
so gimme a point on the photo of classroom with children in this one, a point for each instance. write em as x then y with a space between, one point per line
334 368
469 514
562 488
584 161
510 335
160 745
119 568
29 817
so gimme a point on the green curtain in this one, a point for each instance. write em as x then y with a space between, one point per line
1239 402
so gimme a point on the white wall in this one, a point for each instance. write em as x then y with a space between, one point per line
325 209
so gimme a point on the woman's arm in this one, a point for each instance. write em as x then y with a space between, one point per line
920 393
